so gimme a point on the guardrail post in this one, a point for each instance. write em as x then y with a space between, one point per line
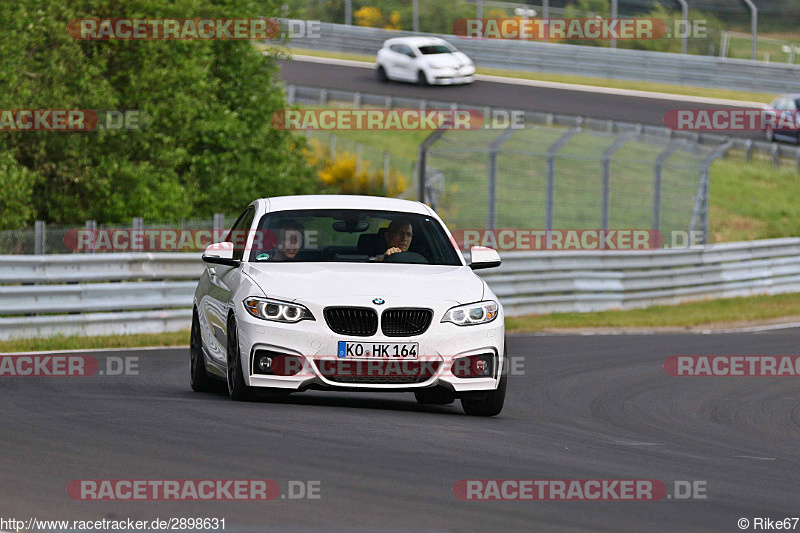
333 145
39 243
388 102
491 193
138 229
323 97
291 92
551 167
748 150
357 100
776 158
797 156
358 158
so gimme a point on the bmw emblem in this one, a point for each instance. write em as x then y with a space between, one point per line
379 301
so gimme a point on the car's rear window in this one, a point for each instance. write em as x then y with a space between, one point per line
348 235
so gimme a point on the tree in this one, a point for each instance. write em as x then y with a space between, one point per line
207 145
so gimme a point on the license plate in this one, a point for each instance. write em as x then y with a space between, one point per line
378 350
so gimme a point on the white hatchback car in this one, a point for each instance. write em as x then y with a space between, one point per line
425 61
348 293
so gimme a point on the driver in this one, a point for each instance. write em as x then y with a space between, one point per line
290 240
398 237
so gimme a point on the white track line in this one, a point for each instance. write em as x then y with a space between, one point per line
557 85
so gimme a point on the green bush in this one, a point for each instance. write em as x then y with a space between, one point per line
207 146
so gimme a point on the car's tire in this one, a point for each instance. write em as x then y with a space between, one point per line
199 379
770 135
237 388
435 396
492 403
422 80
381 73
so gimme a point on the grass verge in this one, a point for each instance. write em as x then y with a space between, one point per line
686 90
176 338
724 312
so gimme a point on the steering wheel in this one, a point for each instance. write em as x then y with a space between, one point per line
406 257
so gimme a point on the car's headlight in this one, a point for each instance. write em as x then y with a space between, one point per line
276 310
471 314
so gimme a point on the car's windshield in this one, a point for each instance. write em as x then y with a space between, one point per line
436 49
360 236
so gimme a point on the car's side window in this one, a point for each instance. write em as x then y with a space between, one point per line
238 233
407 50
396 48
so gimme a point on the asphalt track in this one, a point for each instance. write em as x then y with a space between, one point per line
649 111
587 407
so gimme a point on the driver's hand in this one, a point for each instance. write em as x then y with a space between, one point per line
391 251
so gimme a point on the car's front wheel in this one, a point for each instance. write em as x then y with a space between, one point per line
199 380
382 77
422 80
237 388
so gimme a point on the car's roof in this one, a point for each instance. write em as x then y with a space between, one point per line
416 41
343 201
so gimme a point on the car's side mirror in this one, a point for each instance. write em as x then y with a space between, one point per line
483 258
220 253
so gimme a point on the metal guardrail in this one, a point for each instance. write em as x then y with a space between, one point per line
157 292
299 94
615 63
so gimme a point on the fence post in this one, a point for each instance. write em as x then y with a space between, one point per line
608 153
358 158
91 226
138 229
659 163
551 167
39 243
333 145
491 193
386 171
422 161
219 226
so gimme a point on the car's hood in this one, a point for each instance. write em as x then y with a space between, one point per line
310 281
454 60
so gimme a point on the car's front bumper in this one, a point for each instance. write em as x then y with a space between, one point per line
314 342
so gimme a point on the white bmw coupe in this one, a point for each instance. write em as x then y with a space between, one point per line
348 293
